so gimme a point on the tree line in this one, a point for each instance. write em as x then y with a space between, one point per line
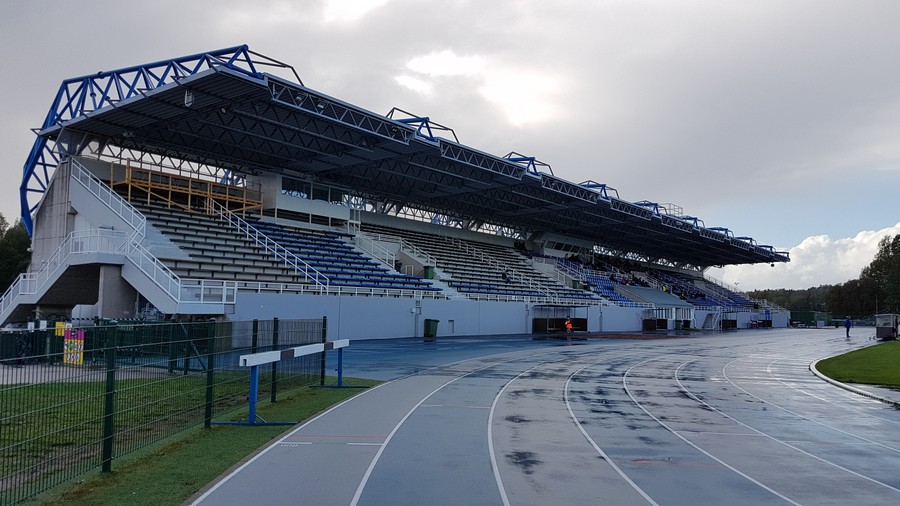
14 251
877 290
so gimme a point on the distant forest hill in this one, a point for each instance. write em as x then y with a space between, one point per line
852 298
811 299
876 291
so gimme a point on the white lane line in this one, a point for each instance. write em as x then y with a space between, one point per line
253 459
490 430
701 450
368 473
815 380
773 438
708 433
278 443
798 415
490 436
365 444
458 406
594 444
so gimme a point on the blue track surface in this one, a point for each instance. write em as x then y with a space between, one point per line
720 419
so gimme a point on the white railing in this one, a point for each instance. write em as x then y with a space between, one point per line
765 304
268 245
154 269
297 288
118 205
204 291
22 285
761 303
722 284
117 242
512 273
145 261
406 247
99 241
560 269
78 242
713 321
375 250
566 268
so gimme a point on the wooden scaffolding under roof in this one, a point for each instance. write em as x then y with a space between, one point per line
185 192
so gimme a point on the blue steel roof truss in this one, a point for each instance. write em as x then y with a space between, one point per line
481 160
331 108
217 109
81 95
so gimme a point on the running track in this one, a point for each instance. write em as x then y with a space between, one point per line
733 419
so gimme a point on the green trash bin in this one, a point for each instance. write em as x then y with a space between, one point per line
431 329
428 272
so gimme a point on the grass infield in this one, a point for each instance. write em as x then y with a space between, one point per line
170 473
874 365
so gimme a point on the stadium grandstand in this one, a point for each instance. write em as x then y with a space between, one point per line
218 185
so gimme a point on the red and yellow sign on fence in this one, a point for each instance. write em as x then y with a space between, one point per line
74 347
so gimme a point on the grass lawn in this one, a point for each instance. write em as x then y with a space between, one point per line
875 365
176 470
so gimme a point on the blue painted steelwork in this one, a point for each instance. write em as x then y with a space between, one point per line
693 219
231 178
653 206
722 230
604 190
531 163
424 126
79 96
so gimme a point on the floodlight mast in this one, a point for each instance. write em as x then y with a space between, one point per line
81 95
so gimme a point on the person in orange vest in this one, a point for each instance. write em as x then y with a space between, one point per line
568 325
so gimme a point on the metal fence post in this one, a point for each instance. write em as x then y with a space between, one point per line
210 380
274 364
109 399
324 340
254 339
173 352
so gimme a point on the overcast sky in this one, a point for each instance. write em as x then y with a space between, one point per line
776 119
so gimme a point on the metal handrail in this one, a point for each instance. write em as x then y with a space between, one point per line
368 244
430 260
78 242
722 284
134 218
269 245
501 266
117 242
263 286
145 261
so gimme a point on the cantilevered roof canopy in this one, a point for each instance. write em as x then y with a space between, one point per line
227 114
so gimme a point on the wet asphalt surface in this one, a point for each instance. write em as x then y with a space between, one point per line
733 418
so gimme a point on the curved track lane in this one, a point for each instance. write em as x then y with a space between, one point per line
721 419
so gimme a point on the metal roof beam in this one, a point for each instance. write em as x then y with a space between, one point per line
569 189
481 160
332 109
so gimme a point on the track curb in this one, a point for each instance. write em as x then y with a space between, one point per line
849 388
